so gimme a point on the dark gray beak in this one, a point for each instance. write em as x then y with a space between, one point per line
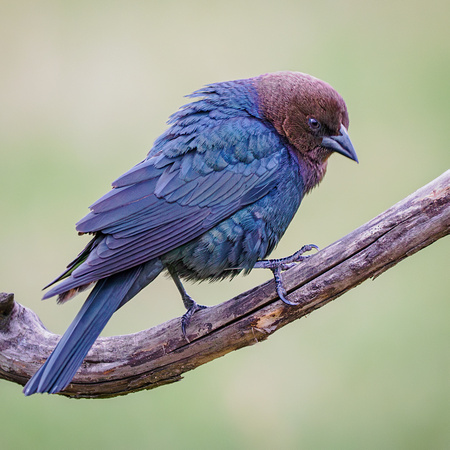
341 144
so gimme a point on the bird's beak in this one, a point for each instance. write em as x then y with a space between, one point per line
341 144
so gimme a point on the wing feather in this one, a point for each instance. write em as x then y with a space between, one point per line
186 186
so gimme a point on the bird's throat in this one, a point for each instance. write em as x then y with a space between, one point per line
312 172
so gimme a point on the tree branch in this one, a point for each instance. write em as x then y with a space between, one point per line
122 364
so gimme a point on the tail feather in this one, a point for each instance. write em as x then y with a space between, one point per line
106 297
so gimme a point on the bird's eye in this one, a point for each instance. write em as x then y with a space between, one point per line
314 124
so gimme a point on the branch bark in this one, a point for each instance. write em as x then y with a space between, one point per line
119 365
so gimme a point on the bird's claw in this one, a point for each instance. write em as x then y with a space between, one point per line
186 318
277 265
281 291
191 306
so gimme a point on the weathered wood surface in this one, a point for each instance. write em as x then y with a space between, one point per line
122 364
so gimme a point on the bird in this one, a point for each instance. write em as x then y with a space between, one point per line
211 199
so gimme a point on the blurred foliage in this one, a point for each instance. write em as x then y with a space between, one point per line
86 87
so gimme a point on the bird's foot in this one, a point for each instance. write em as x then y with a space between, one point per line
277 265
288 262
281 291
188 302
192 307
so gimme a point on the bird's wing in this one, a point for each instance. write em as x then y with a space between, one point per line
187 185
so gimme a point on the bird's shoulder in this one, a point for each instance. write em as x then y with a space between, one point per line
209 135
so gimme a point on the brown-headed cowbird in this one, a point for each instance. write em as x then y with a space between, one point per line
211 199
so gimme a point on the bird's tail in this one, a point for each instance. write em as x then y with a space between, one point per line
108 295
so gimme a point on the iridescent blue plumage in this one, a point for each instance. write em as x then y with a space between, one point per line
213 196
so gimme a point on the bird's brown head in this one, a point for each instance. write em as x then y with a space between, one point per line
308 112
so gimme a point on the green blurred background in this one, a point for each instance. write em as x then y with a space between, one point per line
85 88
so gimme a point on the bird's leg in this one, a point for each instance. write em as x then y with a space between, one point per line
277 265
189 303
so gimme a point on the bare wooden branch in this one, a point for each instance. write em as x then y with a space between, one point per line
122 364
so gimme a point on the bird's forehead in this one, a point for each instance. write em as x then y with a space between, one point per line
315 97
